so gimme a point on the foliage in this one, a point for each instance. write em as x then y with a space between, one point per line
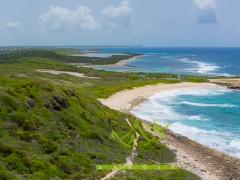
179 174
60 56
39 111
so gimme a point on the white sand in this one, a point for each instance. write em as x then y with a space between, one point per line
123 62
64 72
122 100
120 63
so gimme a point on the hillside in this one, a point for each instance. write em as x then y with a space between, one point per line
53 126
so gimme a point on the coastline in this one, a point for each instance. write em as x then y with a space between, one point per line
125 98
123 62
192 156
120 63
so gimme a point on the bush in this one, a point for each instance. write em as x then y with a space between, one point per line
5 174
8 101
16 163
26 136
18 117
6 149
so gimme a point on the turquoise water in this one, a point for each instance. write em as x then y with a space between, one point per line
210 116
114 68
97 55
197 61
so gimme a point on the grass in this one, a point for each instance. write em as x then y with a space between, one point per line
40 111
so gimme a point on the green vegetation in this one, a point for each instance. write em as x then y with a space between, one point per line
179 174
60 55
40 111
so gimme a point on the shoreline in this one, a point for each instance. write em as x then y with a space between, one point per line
123 62
205 162
125 98
119 63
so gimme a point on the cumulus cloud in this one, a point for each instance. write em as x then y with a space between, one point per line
206 11
62 19
118 17
13 26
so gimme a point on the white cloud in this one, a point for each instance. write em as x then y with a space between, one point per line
119 17
62 19
206 11
204 4
119 11
13 26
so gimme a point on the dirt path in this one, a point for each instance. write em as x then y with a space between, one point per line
129 159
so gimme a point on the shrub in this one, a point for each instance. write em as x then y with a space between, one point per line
16 163
18 117
8 101
26 136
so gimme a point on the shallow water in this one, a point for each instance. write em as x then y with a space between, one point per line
209 116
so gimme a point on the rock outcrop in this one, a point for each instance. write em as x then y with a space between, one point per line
234 85
58 102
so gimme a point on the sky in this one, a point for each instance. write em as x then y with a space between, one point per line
153 23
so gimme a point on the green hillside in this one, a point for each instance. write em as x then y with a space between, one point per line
53 126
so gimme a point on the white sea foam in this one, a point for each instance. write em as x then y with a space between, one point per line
168 95
225 74
203 67
208 105
157 110
197 118
161 107
235 144
211 138
161 104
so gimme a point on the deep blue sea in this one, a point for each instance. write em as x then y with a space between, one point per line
210 116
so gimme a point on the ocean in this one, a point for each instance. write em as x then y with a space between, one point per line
210 116
196 61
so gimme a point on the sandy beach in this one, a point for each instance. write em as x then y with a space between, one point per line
123 62
122 100
207 163
120 63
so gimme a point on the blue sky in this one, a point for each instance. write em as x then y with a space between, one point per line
120 22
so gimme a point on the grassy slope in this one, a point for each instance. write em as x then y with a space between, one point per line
38 111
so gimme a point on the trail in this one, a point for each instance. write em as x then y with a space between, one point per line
129 159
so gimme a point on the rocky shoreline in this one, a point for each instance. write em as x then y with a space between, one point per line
210 161
234 86
223 165
228 83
